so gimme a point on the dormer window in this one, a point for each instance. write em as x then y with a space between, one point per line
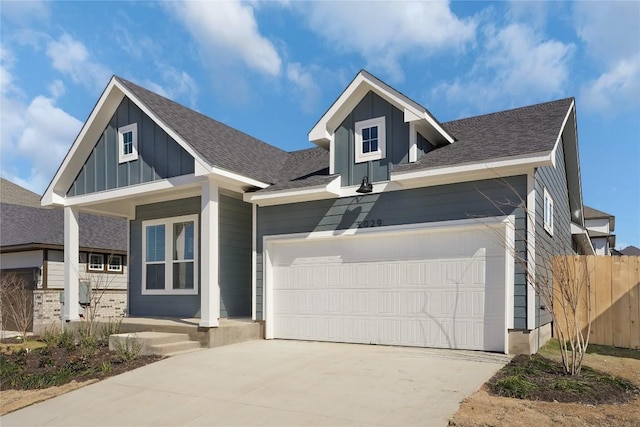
128 143
370 140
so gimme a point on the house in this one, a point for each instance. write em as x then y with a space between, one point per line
32 247
628 251
394 229
600 226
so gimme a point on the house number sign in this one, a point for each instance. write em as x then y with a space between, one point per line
370 223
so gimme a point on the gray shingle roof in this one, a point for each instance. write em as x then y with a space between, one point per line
526 130
591 213
220 145
303 168
631 251
26 225
16 195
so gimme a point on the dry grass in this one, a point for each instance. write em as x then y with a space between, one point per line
483 409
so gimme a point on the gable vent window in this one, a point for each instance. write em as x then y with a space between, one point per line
128 143
370 140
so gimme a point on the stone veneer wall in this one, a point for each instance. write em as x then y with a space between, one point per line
46 307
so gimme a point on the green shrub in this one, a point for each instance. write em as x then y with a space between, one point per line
112 327
128 349
514 386
570 385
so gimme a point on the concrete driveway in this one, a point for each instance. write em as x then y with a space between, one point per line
277 383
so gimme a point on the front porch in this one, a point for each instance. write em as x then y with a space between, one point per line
229 331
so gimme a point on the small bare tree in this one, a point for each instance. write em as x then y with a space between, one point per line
100 283
561 281
16 300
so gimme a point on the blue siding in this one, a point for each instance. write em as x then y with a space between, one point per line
159 305
234 255
554 179
159 156
397 141
431 204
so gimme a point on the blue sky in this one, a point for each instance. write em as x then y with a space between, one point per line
271 69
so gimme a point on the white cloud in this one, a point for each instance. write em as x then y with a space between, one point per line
46 136
383 33
57 89
304 85
228 33
609 29
25 11
71 57
611 38
176 85
35 134
620 84
516 62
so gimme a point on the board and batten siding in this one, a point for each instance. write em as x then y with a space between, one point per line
234 255
159 155
235 242
397 142
554 179
421 205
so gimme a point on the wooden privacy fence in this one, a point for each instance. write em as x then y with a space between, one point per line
614 297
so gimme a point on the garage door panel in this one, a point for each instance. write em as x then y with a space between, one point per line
416 290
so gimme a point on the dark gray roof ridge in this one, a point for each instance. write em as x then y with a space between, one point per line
14 194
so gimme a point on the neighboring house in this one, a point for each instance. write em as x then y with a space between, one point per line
394 229
600 226
629 251
32 247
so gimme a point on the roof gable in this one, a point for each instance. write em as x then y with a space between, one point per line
362 84
215 147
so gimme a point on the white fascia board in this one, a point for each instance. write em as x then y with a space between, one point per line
578 230
132 191
559 137
320 134
79 151
508 166
319 192
231 177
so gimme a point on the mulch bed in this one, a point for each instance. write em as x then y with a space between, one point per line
538 378
49 366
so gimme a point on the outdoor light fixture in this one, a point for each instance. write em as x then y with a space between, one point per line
365 187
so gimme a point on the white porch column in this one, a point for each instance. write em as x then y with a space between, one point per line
71 264
209 257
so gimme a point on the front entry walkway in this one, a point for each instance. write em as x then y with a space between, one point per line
277 383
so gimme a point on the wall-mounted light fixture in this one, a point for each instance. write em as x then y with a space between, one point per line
365 187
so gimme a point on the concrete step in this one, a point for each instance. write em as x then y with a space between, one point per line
159 343
174 348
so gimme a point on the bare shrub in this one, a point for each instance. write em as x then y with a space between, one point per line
16 300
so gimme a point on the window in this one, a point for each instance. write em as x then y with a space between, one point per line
96 262
114 263
548 212
128 143
169 250
370 140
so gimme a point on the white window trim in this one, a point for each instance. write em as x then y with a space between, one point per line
111 258
547 213
122 158
101 268
168 261
361 157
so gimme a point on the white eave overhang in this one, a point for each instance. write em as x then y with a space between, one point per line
496 168
330 190
364 82
580 234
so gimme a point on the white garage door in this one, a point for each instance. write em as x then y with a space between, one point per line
427 288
